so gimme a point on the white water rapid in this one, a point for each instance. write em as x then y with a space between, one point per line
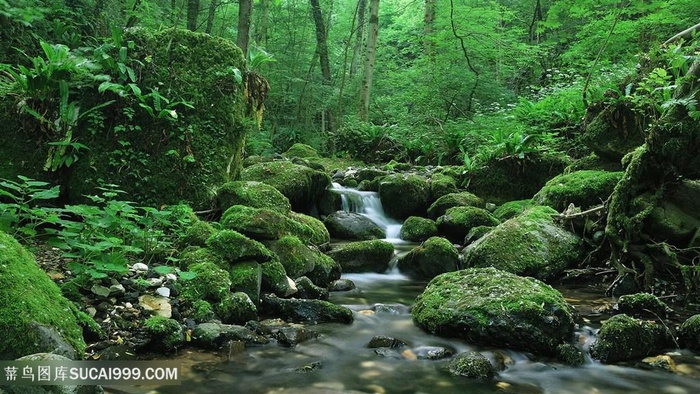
369 205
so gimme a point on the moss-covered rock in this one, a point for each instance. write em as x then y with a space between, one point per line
236 308
301 151
308 290
213 335
477 233
251 194
202 311
433 257
689 333
167 335
404 195
194 255
456 223
492 307
275 279
503 180
441 184
418 229
263 224
319 232
162 159
625 338
614 132
247 278
235 247
511 209
326 271
302 185
363 256
463 199
197 233
642 305
673 223
306 311
211 283
352 226
297 258
594 162
530 245
472 364
584 189
34 315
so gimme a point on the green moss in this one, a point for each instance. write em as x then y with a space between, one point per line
194 255
363 256
211 282
435 256
456 223
247 278
28 297
234 247
90 327
319 232
202 311
583 188
167 332
252 194
325 270
264 224
511 209
641 304
197 233
404 195
441 185
300 150
570 354
472 365
689 332
297 258
594 162
624 338
274 278
476 233
442 204
615 131
237 308
418 229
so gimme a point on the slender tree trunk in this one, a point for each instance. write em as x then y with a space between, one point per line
192 14
210 18
261 26
366 87
359 37
536 17
429 28
322 52
245 17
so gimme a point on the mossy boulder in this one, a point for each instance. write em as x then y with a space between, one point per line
193 255
594 162
433 257
503 180
202 311
625 338
234 247
614 131
325 271
352 226
306 311
264 224
363 256
34 315
302 185
530 244
418 229
167 335
673 223
251 194
689 333
275 279
463 199
496 308
247 278
162 159
319 232
456 223
477 233
511 209
642 305
585 188
301 151
211 283
308 290
197 233
236 308
297 258
472 364
442 184
404 195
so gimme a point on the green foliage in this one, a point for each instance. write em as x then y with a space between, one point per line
19 214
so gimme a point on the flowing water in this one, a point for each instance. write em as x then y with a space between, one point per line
340 362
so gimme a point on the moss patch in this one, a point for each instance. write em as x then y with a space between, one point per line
264 224
456 223
252 194
511 209
583 188
418 229
625 338
463 199
234 247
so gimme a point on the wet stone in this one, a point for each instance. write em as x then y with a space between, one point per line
291 336
432 352
342 285
385 341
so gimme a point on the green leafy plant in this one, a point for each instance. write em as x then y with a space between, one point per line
21 215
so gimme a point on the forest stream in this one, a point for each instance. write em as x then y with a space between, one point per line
339 360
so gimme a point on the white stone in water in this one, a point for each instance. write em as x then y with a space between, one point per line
163 291
139 267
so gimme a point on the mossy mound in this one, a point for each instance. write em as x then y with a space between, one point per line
530 244
463 199
301 151
689 333
404 195
197 233
418 229
297 258
432 258
642 305
235 247
274 278
584 189
263 224
307 311
594 162
614 132
352 226
236 308
456 223
326 271
495 308
162 159
319 232
247 278
363 256
511 209
252 194
166 334
303 186
503 180
193 255
625 338
34 315
441 185
472 364
211 283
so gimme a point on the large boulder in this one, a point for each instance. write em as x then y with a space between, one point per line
34 315
306 311
418 229
297 258
614 131
584 189
234 247
363 256
496 308
251 194
433 257
352 226
442 184
264 224
625 338
447 201
301 151
530 244
456 223
689 333
303 186
404 195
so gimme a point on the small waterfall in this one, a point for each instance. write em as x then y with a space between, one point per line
369 205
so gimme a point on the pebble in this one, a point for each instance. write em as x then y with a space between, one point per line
171 277
163 291
139 267
117 290
100 290
160 305
154 282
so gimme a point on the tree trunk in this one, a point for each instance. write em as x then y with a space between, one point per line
210 17
366 87
322 52
429 27
261 26
192 14
359 37
245 17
